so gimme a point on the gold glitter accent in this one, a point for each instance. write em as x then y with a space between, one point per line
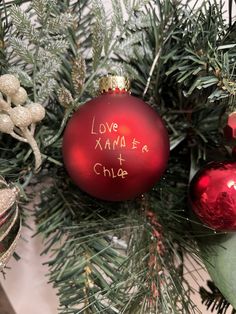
88 270
21 116
78 74
229 86
65 98
7 255
9 84
37 111
6 126
7 199
108 83
20 97
12 223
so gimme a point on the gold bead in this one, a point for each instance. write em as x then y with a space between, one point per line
6 124
20 97
37 111
21 116
4 105
9 84
7 199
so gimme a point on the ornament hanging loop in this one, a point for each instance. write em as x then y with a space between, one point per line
114 83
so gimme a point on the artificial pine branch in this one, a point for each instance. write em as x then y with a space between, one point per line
23 76
99 29
40 45
164 291
86 265
22 50
214 300
23 24
3 26
161 50
63 219
36 55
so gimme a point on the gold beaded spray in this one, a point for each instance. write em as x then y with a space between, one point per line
18 116
112 83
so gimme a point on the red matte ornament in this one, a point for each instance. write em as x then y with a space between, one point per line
213 195
115 147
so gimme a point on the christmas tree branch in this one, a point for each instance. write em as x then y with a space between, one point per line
93 237
214 300
55 137
125 257
112 48
136 271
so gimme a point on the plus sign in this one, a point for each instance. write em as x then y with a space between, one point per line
120 159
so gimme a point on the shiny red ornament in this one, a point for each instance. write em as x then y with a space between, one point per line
230 128
213 195
115 147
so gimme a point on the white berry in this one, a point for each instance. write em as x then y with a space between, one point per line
37 111
9 84
21 116
20 97
6 124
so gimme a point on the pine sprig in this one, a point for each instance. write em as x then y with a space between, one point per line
40 8
34 43
136 38
45 89
139 4
92 273
98 31
57 46
23 23
118 14
48 71
21 48
2 42
202 62
60 23
78 74
214 300
88 267
128 5
24 78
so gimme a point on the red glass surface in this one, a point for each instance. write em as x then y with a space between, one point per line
230 128
213 195
115 147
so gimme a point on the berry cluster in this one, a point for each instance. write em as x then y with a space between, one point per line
18 115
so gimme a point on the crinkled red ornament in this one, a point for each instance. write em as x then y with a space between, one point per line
213 195
115 147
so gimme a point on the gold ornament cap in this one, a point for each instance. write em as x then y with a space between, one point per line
114 83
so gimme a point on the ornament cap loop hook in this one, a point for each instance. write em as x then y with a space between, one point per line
114 83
